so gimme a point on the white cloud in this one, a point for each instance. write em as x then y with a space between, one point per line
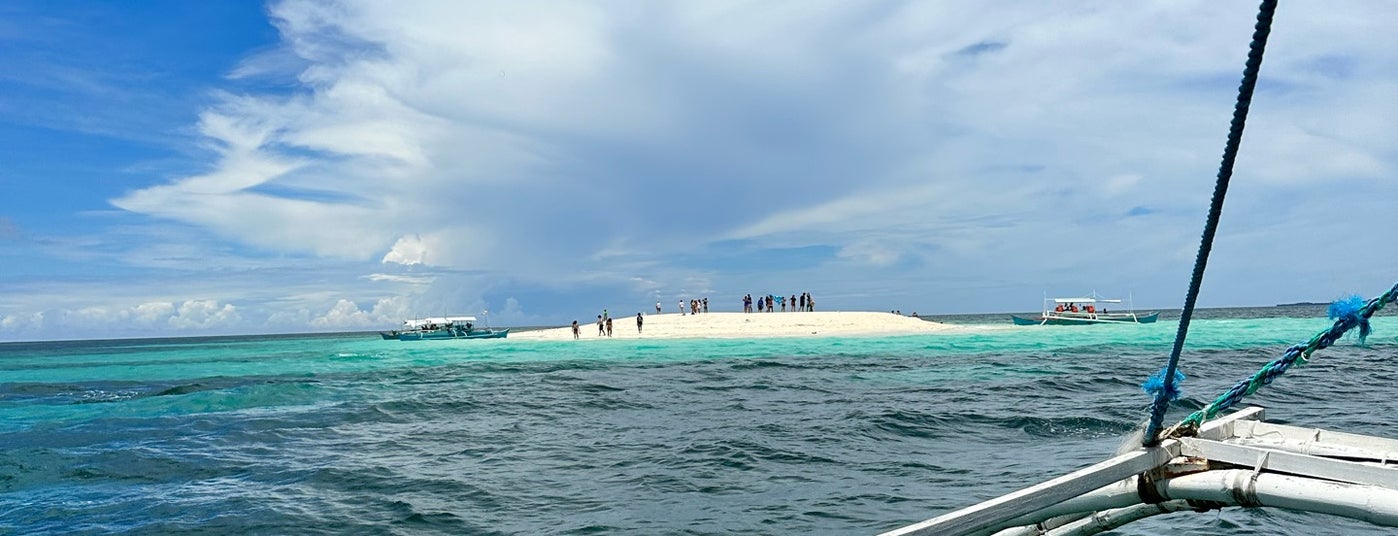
457 154
115 320
152 313
205 314
409 279
346 315
21 323
407 250
1324 158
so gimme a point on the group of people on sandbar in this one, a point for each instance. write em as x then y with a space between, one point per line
604 328
770 303
696 306
604 324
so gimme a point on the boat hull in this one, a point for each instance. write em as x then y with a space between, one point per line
1085 319
443 334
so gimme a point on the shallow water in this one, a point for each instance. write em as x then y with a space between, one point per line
351 434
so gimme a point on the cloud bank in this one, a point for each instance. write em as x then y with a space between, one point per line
559 157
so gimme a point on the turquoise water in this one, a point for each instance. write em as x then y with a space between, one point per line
348 433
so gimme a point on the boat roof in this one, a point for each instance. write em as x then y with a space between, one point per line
1084 300
439 320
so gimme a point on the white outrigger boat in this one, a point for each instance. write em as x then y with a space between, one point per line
447 327
1202 464
1083 311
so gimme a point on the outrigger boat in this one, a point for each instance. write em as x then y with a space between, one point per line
1083 311
449 327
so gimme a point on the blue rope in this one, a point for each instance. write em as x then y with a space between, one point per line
1225 172
1347 315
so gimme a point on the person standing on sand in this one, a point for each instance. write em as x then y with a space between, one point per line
706 305
575 330
639 321
681 307
657 307
609 326
600 330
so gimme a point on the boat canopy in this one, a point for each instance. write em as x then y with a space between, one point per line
1084 300
416 323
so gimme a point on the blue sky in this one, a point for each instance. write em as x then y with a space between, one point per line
192 168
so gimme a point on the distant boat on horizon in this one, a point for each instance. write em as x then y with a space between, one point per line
448 327
1083 311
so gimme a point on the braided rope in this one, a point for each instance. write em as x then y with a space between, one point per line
1261 30
1297 354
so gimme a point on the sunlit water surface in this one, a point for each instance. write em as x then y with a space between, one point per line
352 434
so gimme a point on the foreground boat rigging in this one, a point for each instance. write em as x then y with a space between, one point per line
1198 464
1239 460
449 327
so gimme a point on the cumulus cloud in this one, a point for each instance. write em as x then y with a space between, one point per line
588 147
407 250
346 315
152 313
97 321
204 314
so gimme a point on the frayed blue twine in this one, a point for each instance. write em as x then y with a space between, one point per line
1348 308
1156 384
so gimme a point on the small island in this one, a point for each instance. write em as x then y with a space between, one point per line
746 325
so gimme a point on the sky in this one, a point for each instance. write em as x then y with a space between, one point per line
174 168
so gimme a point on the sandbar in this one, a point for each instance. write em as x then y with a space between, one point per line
746 325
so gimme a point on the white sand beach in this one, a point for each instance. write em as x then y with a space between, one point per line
745 325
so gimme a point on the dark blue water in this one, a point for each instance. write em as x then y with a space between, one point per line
351 434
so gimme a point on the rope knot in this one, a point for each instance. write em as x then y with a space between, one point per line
1349 310
1155 385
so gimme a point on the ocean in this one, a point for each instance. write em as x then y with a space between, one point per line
351 434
